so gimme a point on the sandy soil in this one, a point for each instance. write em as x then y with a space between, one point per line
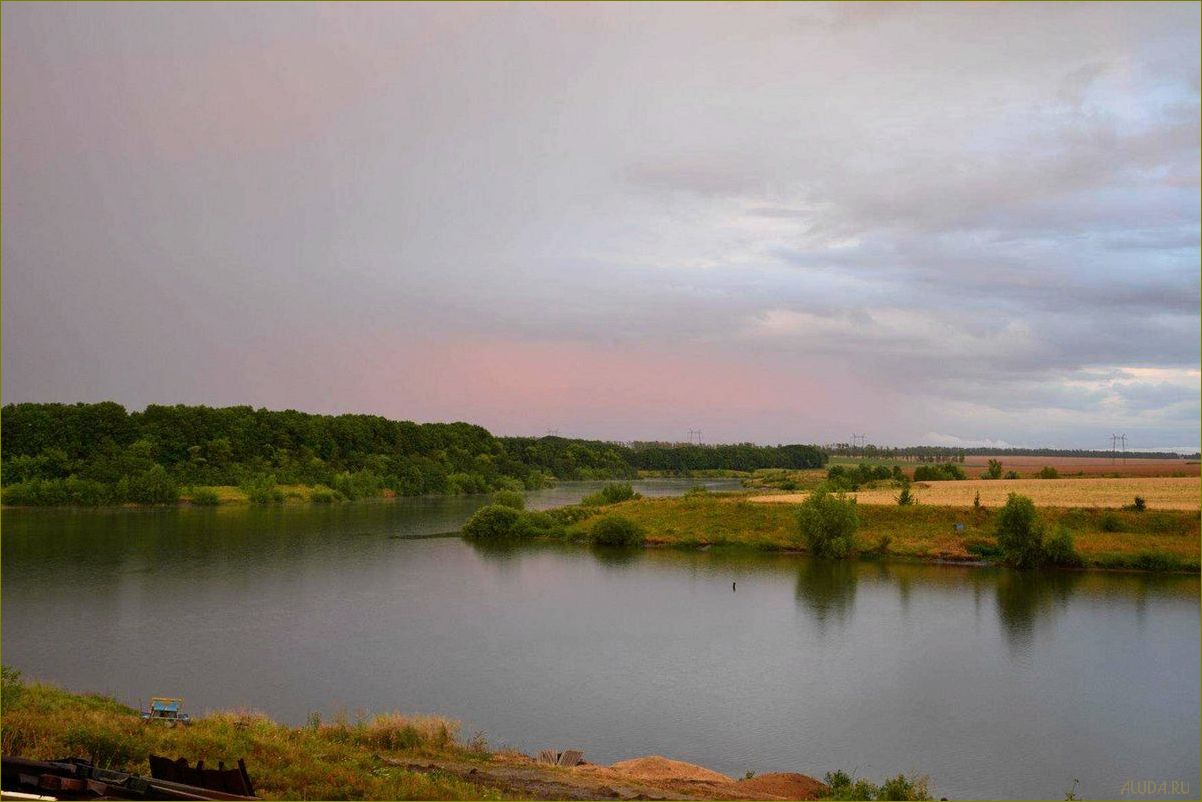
1160 493
650 777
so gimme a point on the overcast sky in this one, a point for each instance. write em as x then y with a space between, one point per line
935 223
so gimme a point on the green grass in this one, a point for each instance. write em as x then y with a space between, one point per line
322 760
1164 540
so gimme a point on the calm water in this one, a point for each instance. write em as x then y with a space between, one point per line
997 684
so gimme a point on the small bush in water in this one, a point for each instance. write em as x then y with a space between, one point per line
493 522
614 530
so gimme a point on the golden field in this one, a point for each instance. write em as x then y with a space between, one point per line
1160 493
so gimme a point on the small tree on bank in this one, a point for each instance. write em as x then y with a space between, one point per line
1019 532
828 524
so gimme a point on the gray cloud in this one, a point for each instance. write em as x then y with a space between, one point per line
972 205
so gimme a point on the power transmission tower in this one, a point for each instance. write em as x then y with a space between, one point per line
1114 439
695 433
552 432
858 440
1123 439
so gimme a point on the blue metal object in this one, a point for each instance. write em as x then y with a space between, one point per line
166 708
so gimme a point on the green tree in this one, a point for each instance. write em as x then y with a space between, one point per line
995 469
1019 532
614 530
828 524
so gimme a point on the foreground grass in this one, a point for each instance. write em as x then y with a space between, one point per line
1152 540
334 760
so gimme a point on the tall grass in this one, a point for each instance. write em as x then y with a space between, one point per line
333 760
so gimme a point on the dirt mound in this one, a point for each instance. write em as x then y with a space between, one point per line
786 785
654 767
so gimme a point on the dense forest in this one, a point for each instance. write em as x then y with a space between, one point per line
100 453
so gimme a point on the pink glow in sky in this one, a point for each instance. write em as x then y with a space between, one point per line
775 223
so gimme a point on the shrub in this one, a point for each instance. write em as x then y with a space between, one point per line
1019 533
693 492
323 495
1138 506
104 745
571 514
1048 472
494 522
614 530
539 524
153 486
937 473
360 484
828 524
1109 522
262 490
1157 561
905 498
994 471
610 494
509 498
205 497
1011 475
1059 550
982 548
844 787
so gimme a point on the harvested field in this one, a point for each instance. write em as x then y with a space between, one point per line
1090 466
1160 493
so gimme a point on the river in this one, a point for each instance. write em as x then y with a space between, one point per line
993 682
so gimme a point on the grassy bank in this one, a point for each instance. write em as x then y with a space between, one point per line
325 760
379 757
1151 540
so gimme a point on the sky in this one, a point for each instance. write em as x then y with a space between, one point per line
948 224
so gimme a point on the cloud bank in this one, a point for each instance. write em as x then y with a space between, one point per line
771 222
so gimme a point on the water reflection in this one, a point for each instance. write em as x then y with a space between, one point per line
1028 598
827 588
617 556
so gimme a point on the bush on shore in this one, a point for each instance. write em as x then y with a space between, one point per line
509 498
205 497
614 530
1019 532
828 524
262 490
846 787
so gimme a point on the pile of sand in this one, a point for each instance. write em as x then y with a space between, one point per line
786 785
654 767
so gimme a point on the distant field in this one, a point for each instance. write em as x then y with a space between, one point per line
1163 493
974 464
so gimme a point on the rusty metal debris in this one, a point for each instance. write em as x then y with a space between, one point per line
75 778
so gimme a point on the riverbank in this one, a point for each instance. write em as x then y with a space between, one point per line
389 756
1158 540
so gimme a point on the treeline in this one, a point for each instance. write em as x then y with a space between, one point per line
101 453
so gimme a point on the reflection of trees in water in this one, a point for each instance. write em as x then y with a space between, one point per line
1027 598
617 556
502 553
828 589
